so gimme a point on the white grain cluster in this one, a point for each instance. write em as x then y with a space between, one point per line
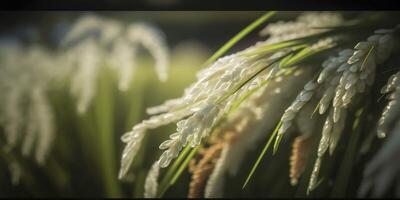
303 97
357 74
12 94
331 132
306 24
392 109
215 183
90 26
84 76
291 112
253 117
27 114
153 40
192 129
95 42
40 127
151 182
203 103
344 78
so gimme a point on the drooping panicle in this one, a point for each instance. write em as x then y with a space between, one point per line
151 182
347 77
306 24
26 111
392 109
92 40
205 101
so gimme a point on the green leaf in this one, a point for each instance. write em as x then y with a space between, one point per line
176 173
253 169
298 57
268 48
104 113
285 60
302 55
183 166
165 182
239 36
276 144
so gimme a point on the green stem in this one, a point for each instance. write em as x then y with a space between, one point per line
239 36
183 166
178 173
166 180
253 169
104 120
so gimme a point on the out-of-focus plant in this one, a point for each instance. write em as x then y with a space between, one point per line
94 42
26 113
94 52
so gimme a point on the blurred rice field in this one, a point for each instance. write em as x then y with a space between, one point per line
85 157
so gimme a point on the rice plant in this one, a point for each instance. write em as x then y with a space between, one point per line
310 110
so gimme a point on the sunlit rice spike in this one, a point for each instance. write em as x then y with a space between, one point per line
391 111
215 183
303 26
314 176
204 104
290 113
337 132
151 182
131 150
357 73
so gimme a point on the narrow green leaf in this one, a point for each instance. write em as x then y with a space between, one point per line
253 169
283 62
183 166
303 54
239 36
175 174
299 56
104 111
164 184
268 48
276 144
